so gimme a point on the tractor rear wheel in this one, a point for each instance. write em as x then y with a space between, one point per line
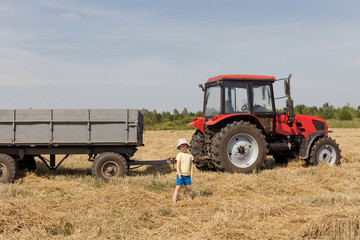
7 168
197 149
239 147
109 165
325 150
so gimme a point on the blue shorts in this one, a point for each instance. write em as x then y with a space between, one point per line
185 180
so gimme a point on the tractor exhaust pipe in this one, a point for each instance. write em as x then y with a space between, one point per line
289 102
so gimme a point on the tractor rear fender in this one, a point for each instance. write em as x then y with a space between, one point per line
224 119
308 141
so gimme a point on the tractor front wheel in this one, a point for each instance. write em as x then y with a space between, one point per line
239 147
325 150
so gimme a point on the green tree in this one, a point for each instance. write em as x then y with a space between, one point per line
166 117
312 111
327 111
156 116
185 113
198 114
176 114
300 109
345 113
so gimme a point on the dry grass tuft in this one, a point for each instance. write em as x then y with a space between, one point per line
338 225
280 202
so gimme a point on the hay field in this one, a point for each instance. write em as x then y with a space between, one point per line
292 202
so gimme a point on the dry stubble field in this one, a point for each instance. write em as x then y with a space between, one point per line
292 202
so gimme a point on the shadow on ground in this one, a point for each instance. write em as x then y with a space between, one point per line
153 170
270 163
44 171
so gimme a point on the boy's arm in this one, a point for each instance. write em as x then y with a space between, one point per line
192 168
178 168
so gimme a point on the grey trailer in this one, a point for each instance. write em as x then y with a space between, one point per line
109 136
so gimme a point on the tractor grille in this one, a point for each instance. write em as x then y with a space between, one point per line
319 125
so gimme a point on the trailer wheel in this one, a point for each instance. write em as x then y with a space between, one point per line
239 147
109 165
7 168
197 149
325 150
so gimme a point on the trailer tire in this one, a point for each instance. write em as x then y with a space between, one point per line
109 165
325 150
7 168
239 147
197 149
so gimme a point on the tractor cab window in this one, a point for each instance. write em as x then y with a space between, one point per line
236 98
262 98
212 101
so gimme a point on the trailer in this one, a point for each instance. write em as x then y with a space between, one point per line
110 137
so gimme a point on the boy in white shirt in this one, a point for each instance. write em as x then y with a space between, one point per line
185 169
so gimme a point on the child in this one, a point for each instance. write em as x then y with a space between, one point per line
185 169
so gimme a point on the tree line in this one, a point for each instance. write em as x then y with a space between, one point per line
328 111
176 120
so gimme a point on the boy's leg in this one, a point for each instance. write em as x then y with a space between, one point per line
176 193
188 192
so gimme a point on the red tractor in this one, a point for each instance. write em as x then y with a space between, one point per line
240 127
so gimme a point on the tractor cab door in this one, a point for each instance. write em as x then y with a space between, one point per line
236 98
262 105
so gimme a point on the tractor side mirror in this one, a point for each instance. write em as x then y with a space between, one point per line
287 88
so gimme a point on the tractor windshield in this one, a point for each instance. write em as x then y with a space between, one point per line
212 101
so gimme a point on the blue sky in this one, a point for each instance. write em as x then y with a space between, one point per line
153 54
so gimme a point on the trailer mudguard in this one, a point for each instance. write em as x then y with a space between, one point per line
307 142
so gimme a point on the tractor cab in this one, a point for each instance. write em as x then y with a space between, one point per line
249 95
236 95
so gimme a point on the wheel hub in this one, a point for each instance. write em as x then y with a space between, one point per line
241 149
110 169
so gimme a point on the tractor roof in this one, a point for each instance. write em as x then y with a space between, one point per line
241 77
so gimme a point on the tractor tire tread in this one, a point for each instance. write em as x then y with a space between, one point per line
317 145
98 160
7 160
218 138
